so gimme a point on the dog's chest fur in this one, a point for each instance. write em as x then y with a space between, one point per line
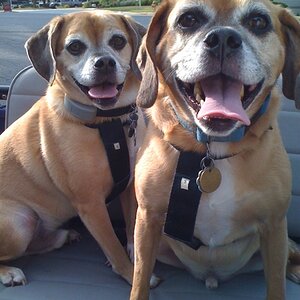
228 244
213 223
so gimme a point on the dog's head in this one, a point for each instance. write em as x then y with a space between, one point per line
220 59
91 56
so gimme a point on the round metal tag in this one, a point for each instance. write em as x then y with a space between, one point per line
209 180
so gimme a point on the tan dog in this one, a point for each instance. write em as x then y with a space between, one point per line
53 166
209 70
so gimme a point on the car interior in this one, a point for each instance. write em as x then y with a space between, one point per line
79 270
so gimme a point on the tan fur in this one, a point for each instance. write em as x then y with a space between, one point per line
52 166
248 211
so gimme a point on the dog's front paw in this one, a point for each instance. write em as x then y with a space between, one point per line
11 276
154 281
107 263
211 283
293 266
73 236
293 272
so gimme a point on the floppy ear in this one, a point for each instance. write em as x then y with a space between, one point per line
41 49
147 58
291 70
136 31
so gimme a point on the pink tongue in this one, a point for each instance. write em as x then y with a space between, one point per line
222 99
102 92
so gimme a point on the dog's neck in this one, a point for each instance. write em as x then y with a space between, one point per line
88 113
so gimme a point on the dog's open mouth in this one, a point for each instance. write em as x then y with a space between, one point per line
220 101
105 94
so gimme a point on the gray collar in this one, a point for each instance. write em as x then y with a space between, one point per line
86 113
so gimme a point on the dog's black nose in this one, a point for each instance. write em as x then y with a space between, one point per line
222 42
105 64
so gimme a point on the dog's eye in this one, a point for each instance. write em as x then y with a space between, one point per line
76 47
258 23
117 42
187 20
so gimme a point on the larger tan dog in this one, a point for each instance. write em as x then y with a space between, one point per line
209 72
53 166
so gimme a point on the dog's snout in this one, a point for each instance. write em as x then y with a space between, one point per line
222 42
105 64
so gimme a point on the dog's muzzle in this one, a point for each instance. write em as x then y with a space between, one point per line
105 91
220 100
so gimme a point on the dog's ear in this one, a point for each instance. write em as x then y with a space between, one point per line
41 49
136 31
147 58
291 70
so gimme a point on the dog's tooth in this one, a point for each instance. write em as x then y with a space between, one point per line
197 91
197 88
242 93
198 98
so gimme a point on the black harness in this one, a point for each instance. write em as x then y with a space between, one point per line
114 141
115 144
184 200
113 136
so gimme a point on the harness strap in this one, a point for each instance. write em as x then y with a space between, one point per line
184 200
114 140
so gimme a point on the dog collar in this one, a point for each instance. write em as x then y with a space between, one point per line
87 113
235 136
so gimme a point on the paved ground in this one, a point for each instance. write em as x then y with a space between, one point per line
16 27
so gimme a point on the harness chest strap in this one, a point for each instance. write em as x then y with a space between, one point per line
115 144
184 200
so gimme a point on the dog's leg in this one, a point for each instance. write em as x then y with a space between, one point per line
96 218
293 266
23 233
17 227
48 240
129 207
148 224
30 242
274 252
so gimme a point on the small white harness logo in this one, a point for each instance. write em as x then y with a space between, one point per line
117 146
185 184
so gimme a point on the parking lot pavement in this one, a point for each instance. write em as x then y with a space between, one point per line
17 26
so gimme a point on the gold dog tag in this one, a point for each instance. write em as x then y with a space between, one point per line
209 179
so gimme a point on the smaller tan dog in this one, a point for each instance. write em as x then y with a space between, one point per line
212 172
53 163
